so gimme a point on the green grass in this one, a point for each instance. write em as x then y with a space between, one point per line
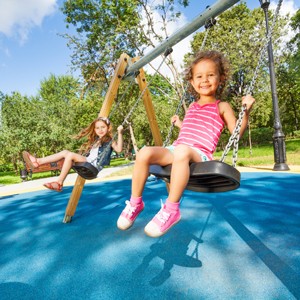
262 155
118 162
11 177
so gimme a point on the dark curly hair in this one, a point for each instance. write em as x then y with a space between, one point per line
221 62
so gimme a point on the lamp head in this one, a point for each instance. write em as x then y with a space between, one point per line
264 4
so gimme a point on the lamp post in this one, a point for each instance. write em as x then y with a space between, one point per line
278 135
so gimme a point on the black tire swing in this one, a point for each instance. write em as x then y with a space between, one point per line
208 176
86 170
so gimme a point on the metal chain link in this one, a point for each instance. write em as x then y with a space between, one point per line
263 49
123 96
167 141
234 139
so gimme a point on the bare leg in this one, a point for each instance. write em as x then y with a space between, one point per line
53 158
145 157
169 214
180 173
70 158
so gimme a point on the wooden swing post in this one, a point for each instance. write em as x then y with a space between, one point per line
104 112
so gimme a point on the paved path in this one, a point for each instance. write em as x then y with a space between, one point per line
36 185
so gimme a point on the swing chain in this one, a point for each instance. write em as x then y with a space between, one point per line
264 48
124 94
167 52
234 139
209 24
166 142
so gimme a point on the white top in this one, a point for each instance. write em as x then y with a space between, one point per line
92 158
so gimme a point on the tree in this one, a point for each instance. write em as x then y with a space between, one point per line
105 29
17 120
43 124
58 96
289 80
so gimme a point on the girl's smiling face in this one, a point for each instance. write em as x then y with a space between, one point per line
101 128
206 78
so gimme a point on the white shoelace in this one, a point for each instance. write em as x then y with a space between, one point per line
162 215
129 209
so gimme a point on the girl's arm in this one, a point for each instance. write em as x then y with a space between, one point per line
229 117
176 121
118 146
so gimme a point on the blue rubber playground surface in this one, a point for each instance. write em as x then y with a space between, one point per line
243 244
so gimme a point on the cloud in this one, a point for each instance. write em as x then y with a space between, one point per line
17 17
287 7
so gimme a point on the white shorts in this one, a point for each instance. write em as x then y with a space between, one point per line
202 155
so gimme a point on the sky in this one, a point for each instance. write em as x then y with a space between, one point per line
31 48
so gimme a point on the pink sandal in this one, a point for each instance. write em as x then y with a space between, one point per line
30 160
55 186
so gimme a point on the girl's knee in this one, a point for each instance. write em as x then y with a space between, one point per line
68 154
65 152
144 154
182 152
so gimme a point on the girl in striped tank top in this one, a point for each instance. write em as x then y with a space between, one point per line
198 137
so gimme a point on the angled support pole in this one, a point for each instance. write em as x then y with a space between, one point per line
141 80
104 112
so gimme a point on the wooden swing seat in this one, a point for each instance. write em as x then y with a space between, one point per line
54 167
209 176
86 170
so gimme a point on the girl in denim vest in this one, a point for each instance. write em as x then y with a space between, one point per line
98 148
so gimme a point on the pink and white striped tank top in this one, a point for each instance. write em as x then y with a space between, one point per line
201 128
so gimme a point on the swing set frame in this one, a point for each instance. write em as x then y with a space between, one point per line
128 66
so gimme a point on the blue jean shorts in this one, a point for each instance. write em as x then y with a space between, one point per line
202 155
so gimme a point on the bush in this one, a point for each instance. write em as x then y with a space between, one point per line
6 168
294 135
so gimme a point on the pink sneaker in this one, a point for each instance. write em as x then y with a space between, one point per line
129 214
162 222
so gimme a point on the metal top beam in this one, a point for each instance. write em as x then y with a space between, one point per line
211 12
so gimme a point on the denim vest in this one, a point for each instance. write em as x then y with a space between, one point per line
104 153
